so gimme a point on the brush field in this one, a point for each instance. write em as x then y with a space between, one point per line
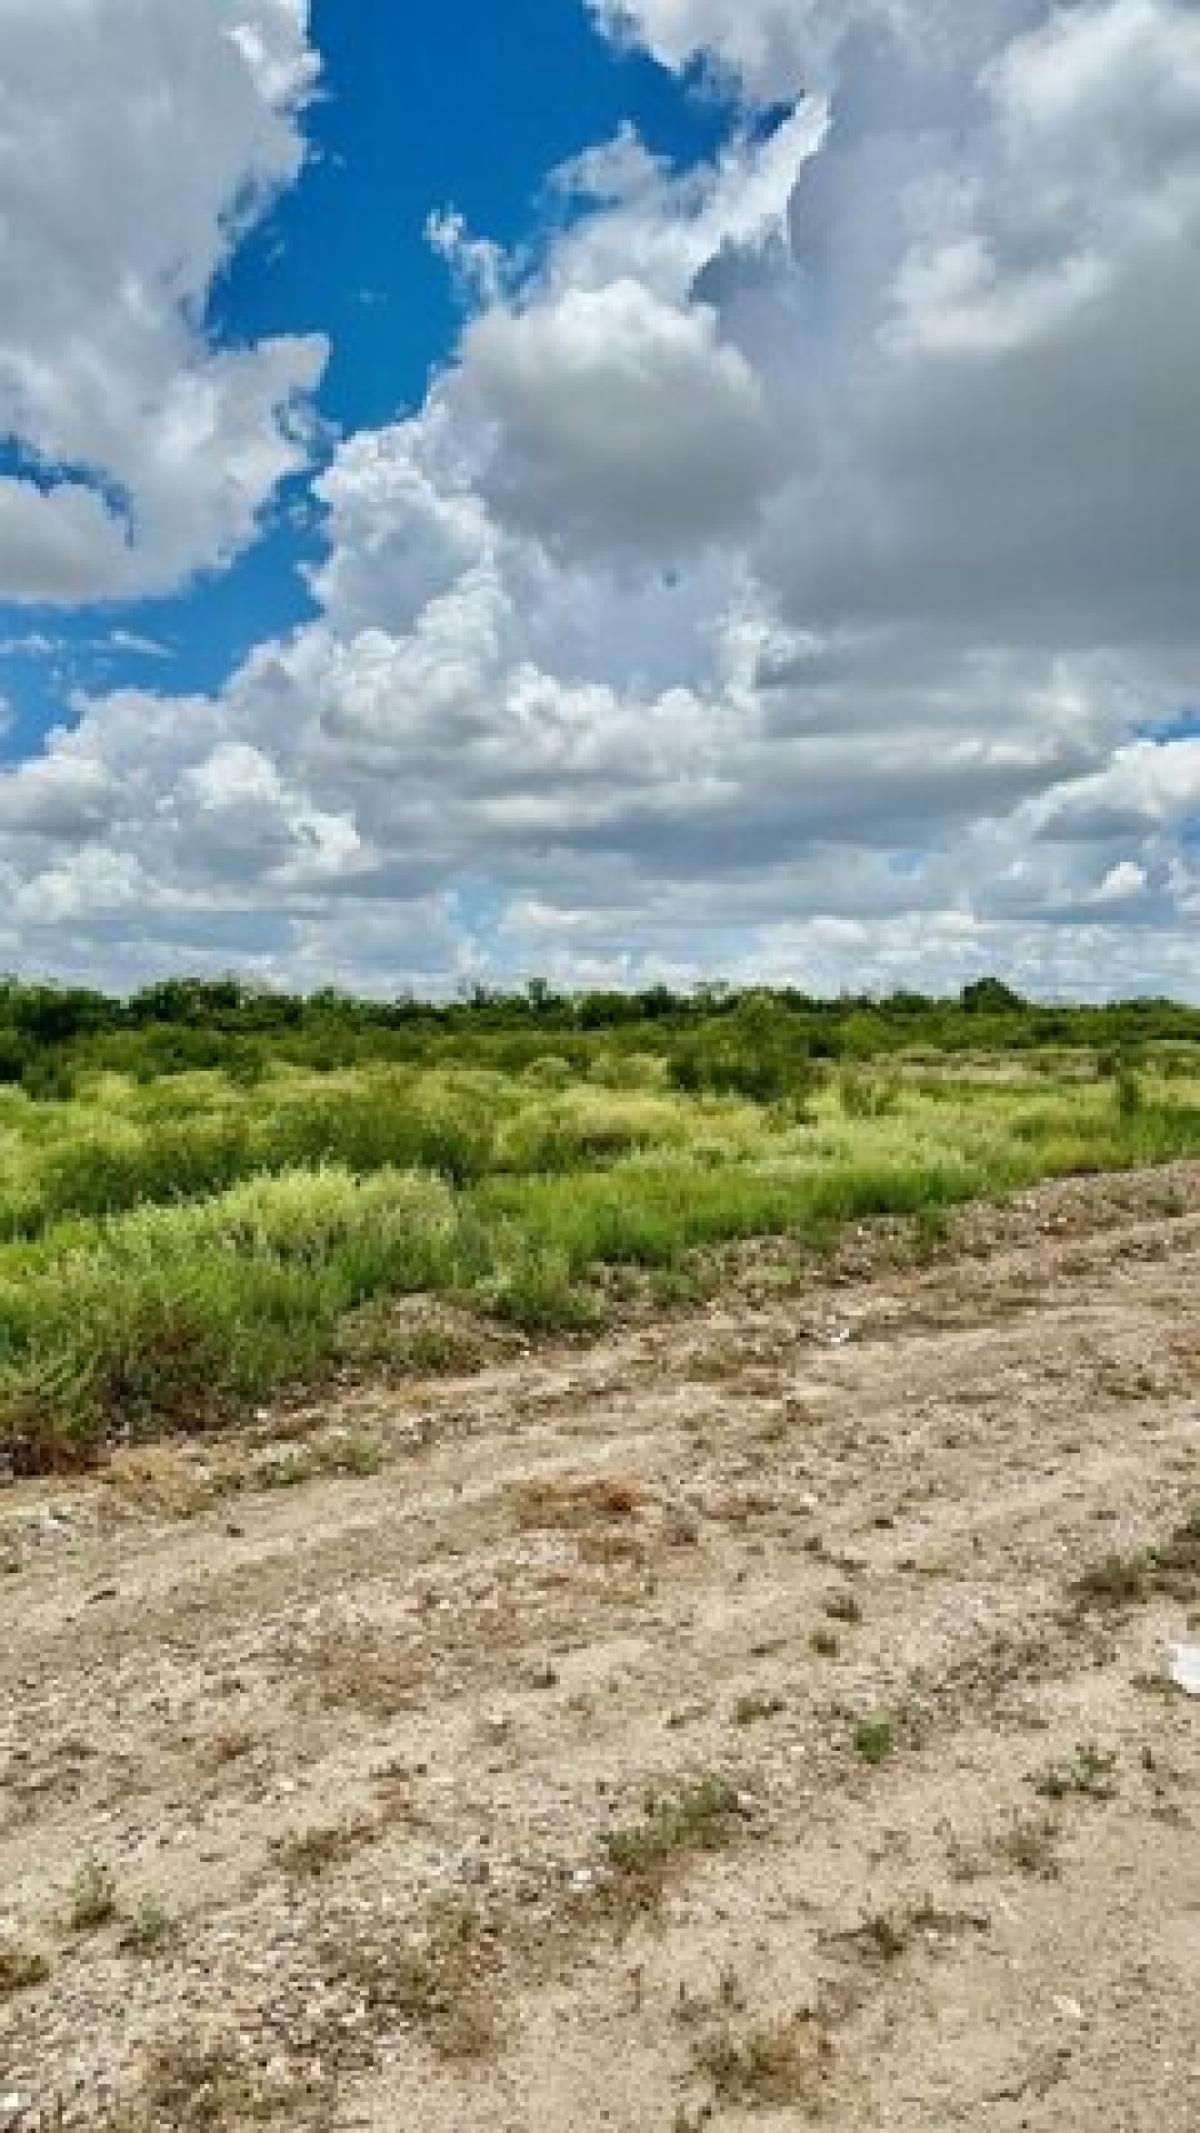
178 1242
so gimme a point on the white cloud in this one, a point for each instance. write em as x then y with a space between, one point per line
787 575
139 140
623 421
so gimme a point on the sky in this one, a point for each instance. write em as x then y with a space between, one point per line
613 490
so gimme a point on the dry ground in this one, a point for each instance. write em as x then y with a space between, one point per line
709 1726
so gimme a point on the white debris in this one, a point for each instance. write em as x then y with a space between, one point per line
1185 1668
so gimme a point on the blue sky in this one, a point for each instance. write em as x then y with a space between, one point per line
757 539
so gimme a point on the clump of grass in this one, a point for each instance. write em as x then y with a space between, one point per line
21 1968
1119 1581
536 1293
180 1318
751 1709
844 1607
93 1896
1031 1845
149 1929
309 1853
1089 1776
1170 1570
825 1644
1175 1563
874 1741
699 1817
767 2066
569 1504
197 2084
865 1095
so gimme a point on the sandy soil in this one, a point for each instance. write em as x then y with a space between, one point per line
523 1783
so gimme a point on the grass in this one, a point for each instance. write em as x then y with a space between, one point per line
569 1505
150 1928
700 1816
440 1973
751 1709
1031 1845
200 2084
874 1741
21 1969
93 1897
1088 1776
1170 1570
769 2066
309 1853
174 1252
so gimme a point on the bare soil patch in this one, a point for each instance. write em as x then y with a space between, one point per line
760 1716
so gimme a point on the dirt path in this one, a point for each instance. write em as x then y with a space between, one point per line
703 1728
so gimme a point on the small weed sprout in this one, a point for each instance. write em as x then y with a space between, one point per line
874 1741
1089 1776
93 1897
150 1928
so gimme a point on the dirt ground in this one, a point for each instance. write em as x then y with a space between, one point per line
761 1716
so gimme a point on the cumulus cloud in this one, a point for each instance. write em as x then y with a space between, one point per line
140 139
624 422
792 574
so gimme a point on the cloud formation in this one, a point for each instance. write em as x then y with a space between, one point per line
140 139
793 574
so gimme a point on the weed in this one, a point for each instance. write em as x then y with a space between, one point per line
749 1710
198 2084
768 2066
232 1745
700 1817
874 1740
149 1929
1171 1570
1117 1582
844 1607
307 1854
21 1968
570 1504
93 1897
1031 1846
1090 1776
825 1644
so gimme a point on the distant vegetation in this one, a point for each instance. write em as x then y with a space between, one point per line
209 1192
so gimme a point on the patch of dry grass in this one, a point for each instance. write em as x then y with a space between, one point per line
777 2065
566 1505
366 1671
306 1854
1031 1845
21 1968
441 1973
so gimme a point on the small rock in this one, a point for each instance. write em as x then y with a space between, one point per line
1068 2010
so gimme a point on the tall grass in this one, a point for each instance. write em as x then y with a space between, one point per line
171 1263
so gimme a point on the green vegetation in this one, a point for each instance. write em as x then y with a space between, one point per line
208 1194
874 1740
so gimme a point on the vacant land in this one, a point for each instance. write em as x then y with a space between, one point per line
194 1219
758 1714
